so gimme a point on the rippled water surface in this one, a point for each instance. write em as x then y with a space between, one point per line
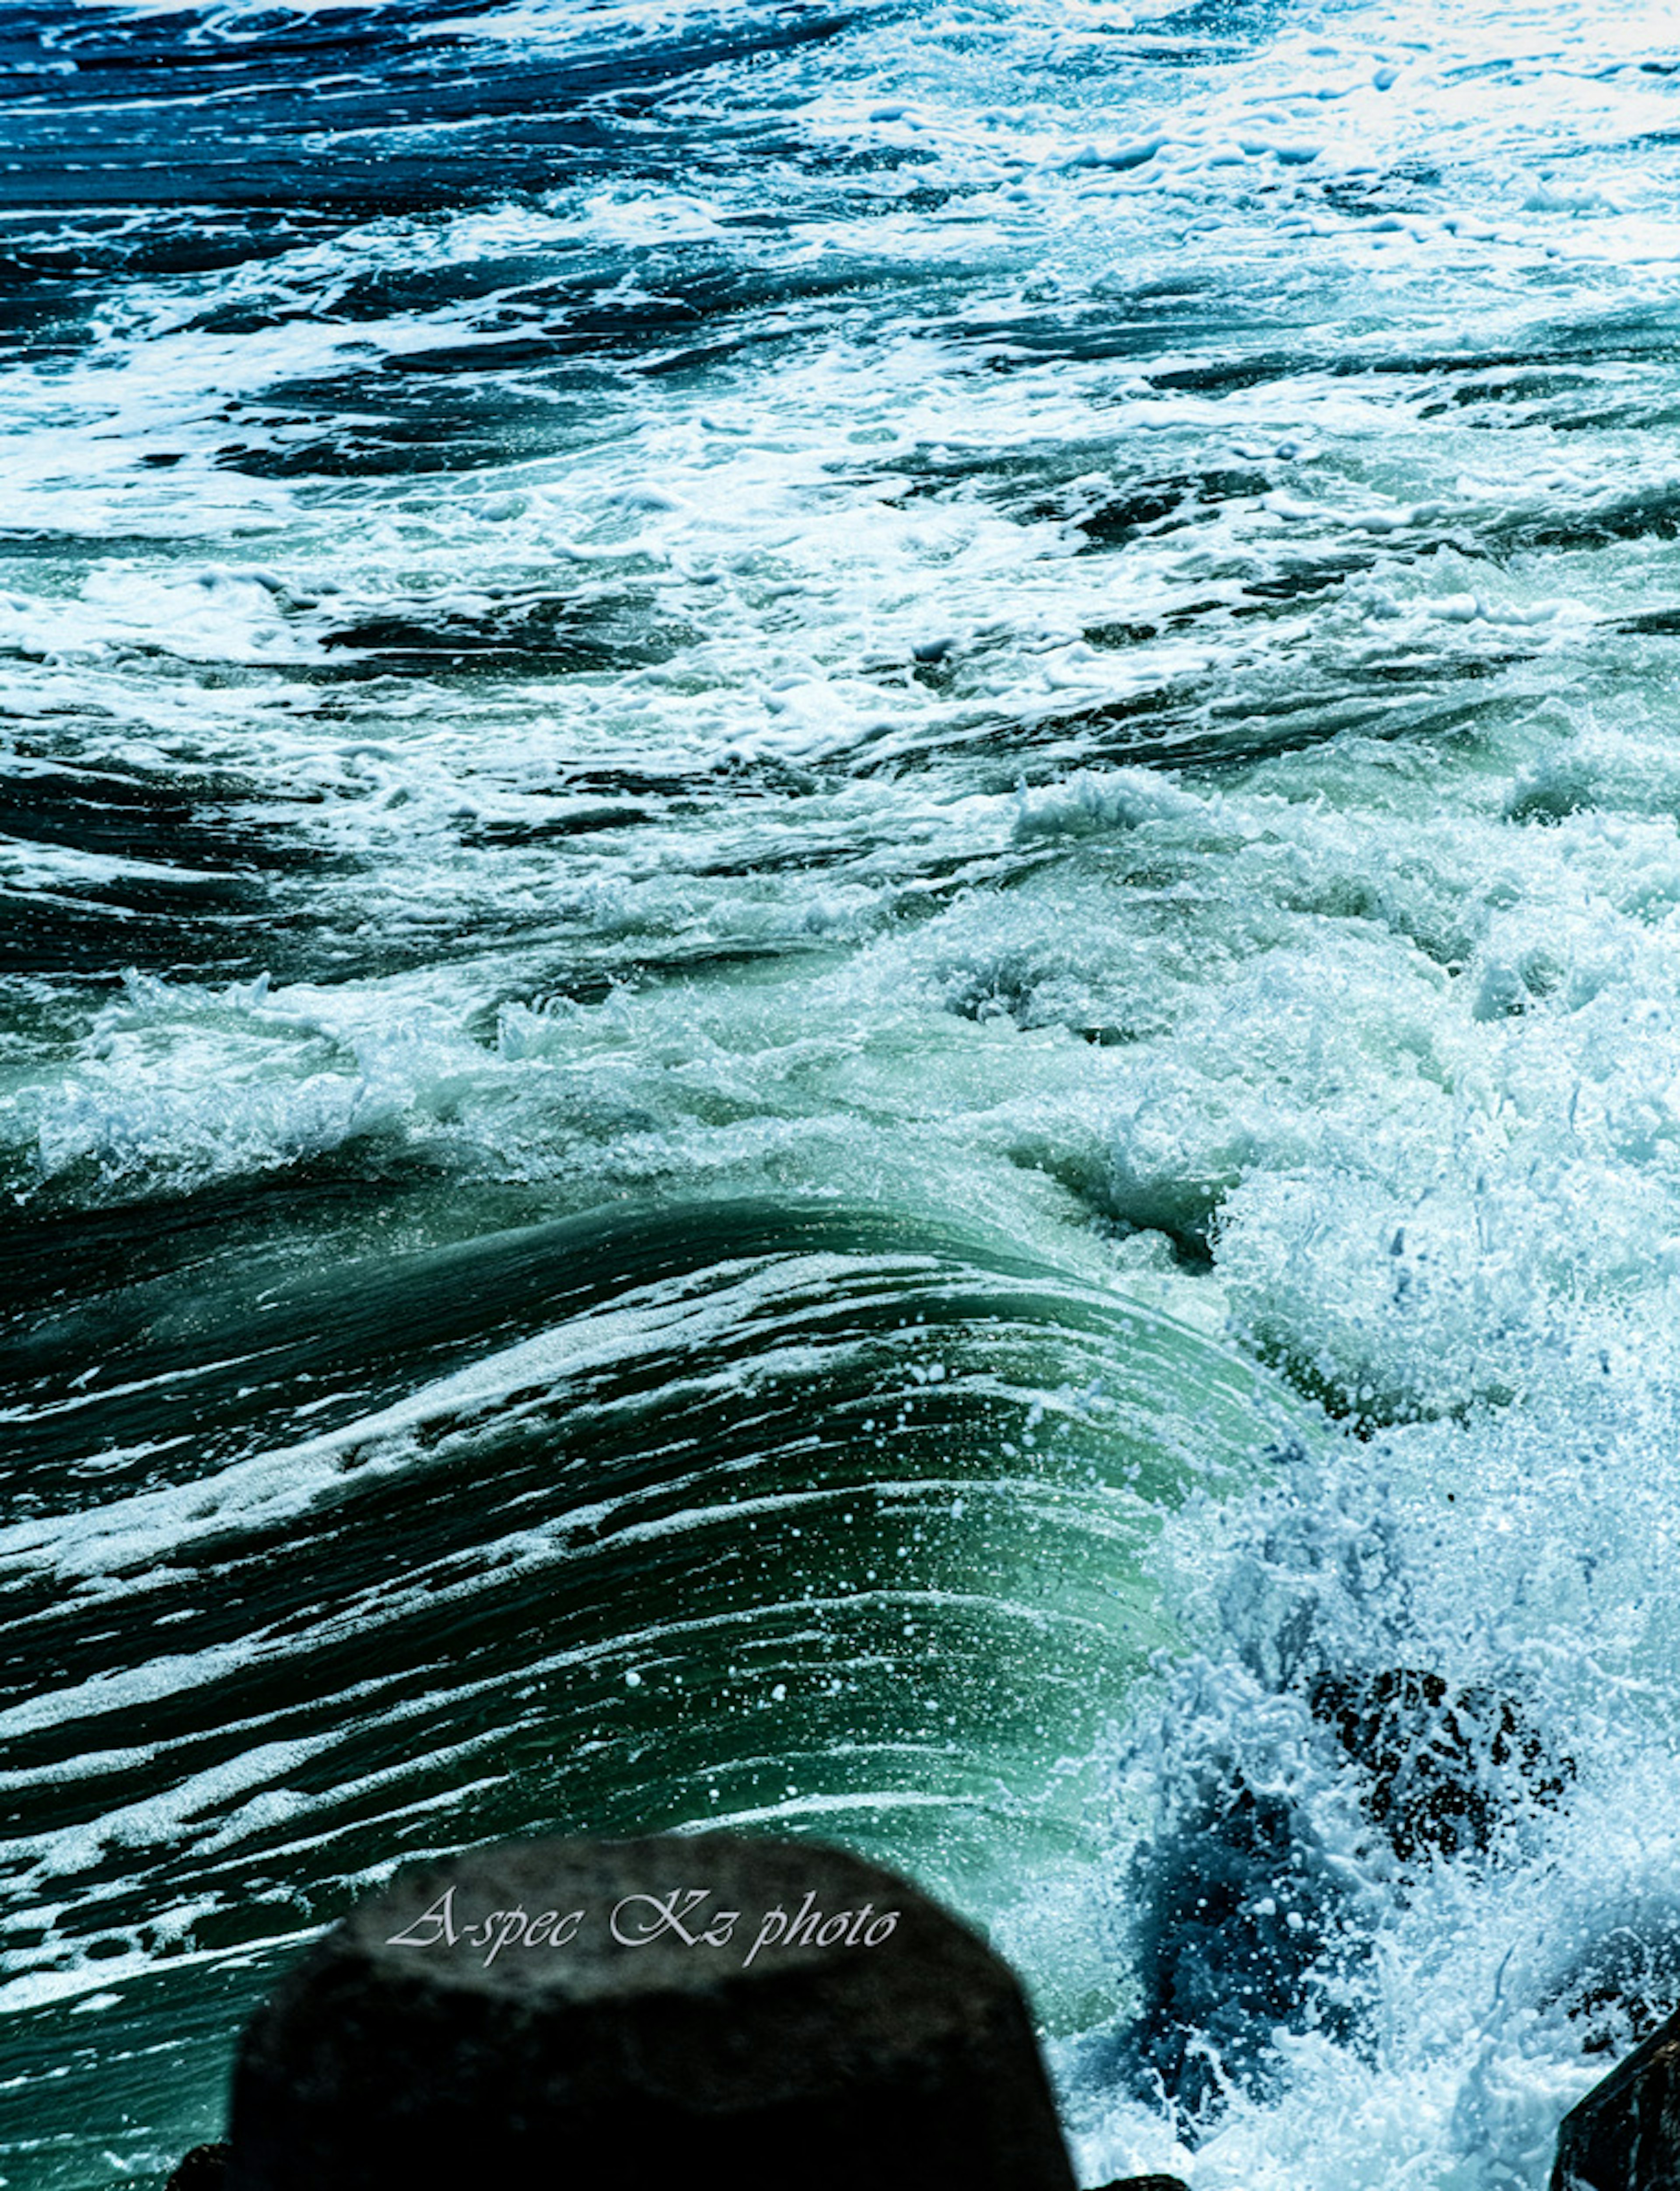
839 943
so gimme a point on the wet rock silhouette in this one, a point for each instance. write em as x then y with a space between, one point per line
1244 1932
1448 1768
203 2169
1624 2135
1625 1985
769 2013
1248 1907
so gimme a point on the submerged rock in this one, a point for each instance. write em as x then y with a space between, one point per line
1240 1934
1447 1769
1624 2135
771 2013
1251 1908
1618 1989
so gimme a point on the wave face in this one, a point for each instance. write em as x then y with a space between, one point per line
839 894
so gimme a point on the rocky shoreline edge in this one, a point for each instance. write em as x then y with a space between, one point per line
646 2008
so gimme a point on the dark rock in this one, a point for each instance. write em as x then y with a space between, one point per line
1240 1930
432 2039
1624 2135
203 2169
1147 2184
1243 1924
1625 1985
1447 1769
1244 1918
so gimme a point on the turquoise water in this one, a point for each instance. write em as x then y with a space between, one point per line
837 990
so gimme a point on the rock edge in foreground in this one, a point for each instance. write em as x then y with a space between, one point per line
784 2010
1625 2134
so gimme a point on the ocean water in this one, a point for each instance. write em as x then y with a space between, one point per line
840 990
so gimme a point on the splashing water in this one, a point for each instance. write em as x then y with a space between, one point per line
840 879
